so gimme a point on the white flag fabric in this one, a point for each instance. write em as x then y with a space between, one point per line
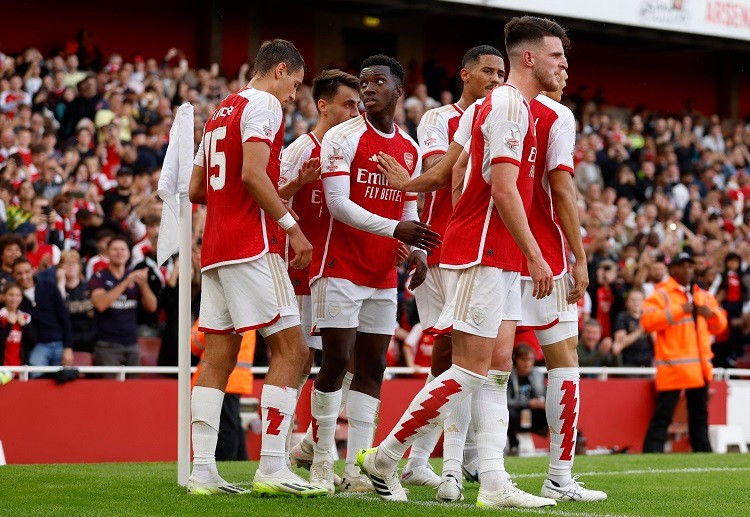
175 179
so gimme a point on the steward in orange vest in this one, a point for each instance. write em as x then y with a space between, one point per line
684 317
231 444
241 379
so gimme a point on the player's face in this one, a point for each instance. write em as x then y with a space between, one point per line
557 95
379 89
483 75
343 106
549 63
287 84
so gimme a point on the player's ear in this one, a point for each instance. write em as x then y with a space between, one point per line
322 106
528 58
280 70
464 73
399 91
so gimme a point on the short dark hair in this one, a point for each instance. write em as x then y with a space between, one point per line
104 234
523 350
395 67
326 85
473 54
273 52
8 240
21 260
116 238
531 29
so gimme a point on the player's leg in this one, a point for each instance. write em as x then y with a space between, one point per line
274 305
489 411
430 298
474 333
562 408
363 400
222 348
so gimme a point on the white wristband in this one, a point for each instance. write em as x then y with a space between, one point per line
286 222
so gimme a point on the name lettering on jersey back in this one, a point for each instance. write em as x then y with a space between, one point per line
377 186
222 112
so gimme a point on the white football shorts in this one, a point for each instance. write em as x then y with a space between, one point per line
551 318
249 295
340 303
430 297
478 299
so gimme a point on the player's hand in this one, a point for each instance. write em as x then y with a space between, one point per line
416 260
417 234
309 172
396 175
580 274
401 254
541 274
301 246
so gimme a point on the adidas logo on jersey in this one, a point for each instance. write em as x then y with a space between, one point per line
373 158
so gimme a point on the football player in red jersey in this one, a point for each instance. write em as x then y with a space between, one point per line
353 278
244 282
484 245
555 318
482 69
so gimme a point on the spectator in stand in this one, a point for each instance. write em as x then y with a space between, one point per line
630 340
11 248
732 293
526 397
588 172
92 223
78 302
49 317
607 299
17 338
40 256
116 293
684 317
595 350
21 212
121 192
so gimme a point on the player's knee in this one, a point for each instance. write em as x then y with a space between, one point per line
372 369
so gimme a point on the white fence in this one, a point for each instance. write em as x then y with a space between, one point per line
602 373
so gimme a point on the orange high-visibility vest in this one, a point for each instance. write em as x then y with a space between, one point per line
241 378
682 349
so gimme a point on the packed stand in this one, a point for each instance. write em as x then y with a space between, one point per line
81 147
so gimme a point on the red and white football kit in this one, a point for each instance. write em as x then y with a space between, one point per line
552 317
481 261
245 284
435 134
353 277
307 203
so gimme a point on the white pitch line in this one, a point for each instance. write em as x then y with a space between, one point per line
695 470
469 506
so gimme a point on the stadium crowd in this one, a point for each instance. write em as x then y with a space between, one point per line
82 141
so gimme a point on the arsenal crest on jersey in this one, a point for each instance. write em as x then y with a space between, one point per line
267 128
409 160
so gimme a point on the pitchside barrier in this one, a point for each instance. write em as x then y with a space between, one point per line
107 420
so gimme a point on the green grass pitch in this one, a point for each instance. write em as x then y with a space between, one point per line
680 485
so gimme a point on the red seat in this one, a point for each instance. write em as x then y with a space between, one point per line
149 347
83 359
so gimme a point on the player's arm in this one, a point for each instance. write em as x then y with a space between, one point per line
256 155
197 187
459 174
436 177
505 164
510 207
417 256
563 190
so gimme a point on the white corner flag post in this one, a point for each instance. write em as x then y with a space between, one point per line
175 236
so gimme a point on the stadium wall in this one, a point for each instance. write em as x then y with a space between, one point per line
92 421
